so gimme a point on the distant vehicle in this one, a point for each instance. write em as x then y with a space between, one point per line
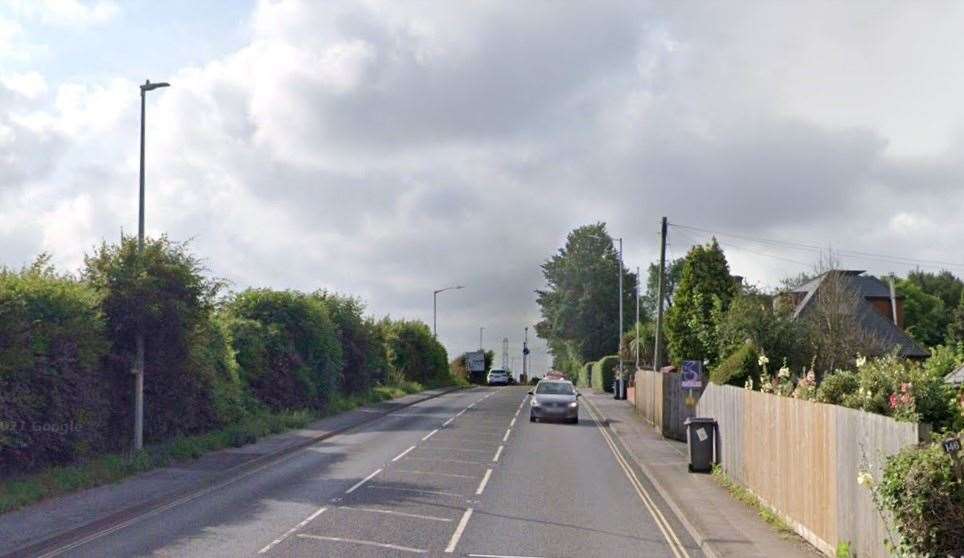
497 377
554 400
555 375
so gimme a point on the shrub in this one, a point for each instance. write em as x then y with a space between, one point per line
189 384
287 348
54 404
836 386
362 344
603 373
926 499
585 375
736 369
414 354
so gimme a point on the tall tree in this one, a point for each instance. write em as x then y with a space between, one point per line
955 331
674 271
580 305
706 288
944 285
925 316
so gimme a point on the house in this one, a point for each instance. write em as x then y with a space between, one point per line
877 311
955 378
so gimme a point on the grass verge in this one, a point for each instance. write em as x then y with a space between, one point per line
750 499
18 492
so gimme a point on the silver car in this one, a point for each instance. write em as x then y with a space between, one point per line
554 400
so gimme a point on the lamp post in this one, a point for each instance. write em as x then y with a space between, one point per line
139 366
435 306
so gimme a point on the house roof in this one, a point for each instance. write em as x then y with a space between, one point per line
867 287
956 377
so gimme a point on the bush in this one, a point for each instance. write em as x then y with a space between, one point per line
414 354
585 375
837 386
362 344
737 368
604 372
54 399
287 348
190 386
926 499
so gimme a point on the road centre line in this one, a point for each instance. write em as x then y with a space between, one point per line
448 422
664 526
366 543
402 514
414 472
498 452
430 434
457 535
512 422
401 455
485 481
506 437
363 481
291 531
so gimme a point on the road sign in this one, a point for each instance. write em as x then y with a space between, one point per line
475 361
952 445
692 374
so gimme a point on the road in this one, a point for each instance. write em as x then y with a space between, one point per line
465 474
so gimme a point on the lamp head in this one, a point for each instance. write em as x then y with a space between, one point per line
148 86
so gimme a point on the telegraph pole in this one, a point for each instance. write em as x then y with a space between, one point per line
619 337
525 355
637 317
505 353
658 350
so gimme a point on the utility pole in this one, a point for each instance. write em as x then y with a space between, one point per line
525 355
637 317
661 287
505 353
619 337
435 294
139 365
481 329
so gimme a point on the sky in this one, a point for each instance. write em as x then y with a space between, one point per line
386 149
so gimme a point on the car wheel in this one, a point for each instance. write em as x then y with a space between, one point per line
532 418
574 420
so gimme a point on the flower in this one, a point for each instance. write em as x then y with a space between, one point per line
861 361
783 372
749 384
865 479
763 360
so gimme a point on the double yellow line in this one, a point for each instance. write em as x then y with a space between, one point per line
664 526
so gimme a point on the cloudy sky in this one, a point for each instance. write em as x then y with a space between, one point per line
386 148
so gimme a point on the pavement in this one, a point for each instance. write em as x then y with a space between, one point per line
721 526
462 474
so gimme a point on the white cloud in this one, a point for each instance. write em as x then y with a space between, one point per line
31 85
66 13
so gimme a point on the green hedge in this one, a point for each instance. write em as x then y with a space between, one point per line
54 398
414 354
362 343
585 375
738 367
603 373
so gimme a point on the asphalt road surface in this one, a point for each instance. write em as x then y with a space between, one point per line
465 474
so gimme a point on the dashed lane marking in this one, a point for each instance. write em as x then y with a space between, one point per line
365 543
363 481
430 434
457 535
401 455
485 481
291 531
506 437
498 452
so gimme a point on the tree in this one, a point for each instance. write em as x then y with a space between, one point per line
943 285
752 318
580 306
705 288
955 330
925 316
366 362
674 271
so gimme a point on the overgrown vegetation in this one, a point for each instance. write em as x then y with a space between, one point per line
603 373
743 495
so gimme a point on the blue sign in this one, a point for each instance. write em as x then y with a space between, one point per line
692 374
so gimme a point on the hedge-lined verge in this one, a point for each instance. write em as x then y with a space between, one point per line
603 373
585 375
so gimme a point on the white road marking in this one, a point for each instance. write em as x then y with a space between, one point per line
401 455
460 413
412 472
500 556
455 449
430 434
485 481
291 531
498 452
506 437
454 541
402 514
664 526
361 482
449 461
365 543
512 422
448 422
414 490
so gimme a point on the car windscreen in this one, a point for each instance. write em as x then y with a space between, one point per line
555 388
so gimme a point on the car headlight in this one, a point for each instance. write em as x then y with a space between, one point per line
535 402
574 404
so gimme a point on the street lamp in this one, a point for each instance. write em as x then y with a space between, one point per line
435 306
139 370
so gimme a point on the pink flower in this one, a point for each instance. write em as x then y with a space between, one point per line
893 401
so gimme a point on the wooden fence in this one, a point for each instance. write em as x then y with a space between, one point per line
661 400
802 459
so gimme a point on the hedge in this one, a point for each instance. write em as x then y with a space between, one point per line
362 343
414 354
604 372
585 375
735 369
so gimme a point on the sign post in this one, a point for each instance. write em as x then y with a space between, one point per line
692 379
